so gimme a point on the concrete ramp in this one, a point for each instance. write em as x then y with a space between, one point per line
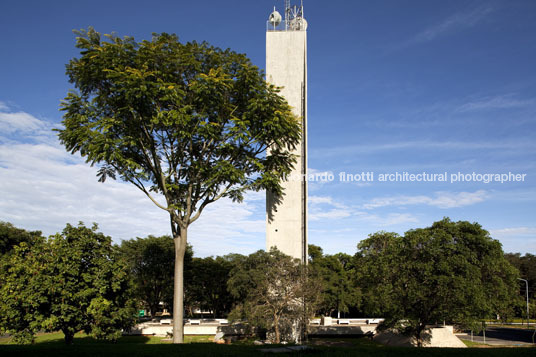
433 337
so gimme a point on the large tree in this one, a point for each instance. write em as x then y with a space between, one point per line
207 288
73 281
336 274
187 124
451 271
275 291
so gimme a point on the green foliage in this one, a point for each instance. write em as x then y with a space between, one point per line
315 252
451 271
151 262
527 270
73 281
191 120
206 285
23 296
107 318
276 292
87 272
336 274
11 236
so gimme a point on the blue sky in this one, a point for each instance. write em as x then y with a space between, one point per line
394 86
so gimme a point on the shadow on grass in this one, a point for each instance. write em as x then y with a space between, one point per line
146 346
336 341
57 339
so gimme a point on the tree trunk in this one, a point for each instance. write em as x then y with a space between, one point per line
418 334
276 328
154 309
178 287
69 337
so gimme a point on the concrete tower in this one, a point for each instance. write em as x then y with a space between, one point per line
286 67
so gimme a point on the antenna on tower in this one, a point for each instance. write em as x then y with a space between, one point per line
293 20
287 14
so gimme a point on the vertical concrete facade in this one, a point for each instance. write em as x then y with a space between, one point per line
286 67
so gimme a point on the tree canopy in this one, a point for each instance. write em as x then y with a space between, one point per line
187 124
73 281
275 293
336 274
11 236
526 264
452 271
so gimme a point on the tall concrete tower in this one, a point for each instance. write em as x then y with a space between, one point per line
286 67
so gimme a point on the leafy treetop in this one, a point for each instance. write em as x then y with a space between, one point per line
189 121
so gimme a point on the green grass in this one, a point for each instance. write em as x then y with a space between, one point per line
474 344
83 339
134 346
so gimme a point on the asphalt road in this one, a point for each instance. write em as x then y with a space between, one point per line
501 336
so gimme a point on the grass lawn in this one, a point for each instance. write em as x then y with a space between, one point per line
83 339
132 346
474 344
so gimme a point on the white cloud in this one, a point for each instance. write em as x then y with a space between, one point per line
19 122
513 232
329 214
398 218
516 239
389 219
227 227
451 24
461 199
317 178
43 187
325 207
320 200
3 106
497 102
353 150
440 200
255 195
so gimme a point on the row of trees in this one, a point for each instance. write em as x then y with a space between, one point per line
78 280
450 272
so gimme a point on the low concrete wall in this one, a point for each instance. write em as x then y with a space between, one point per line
155 329
432 337
327 326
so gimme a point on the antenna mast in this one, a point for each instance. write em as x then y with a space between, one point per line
287 14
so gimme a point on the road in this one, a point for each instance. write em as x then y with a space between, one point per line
501 336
